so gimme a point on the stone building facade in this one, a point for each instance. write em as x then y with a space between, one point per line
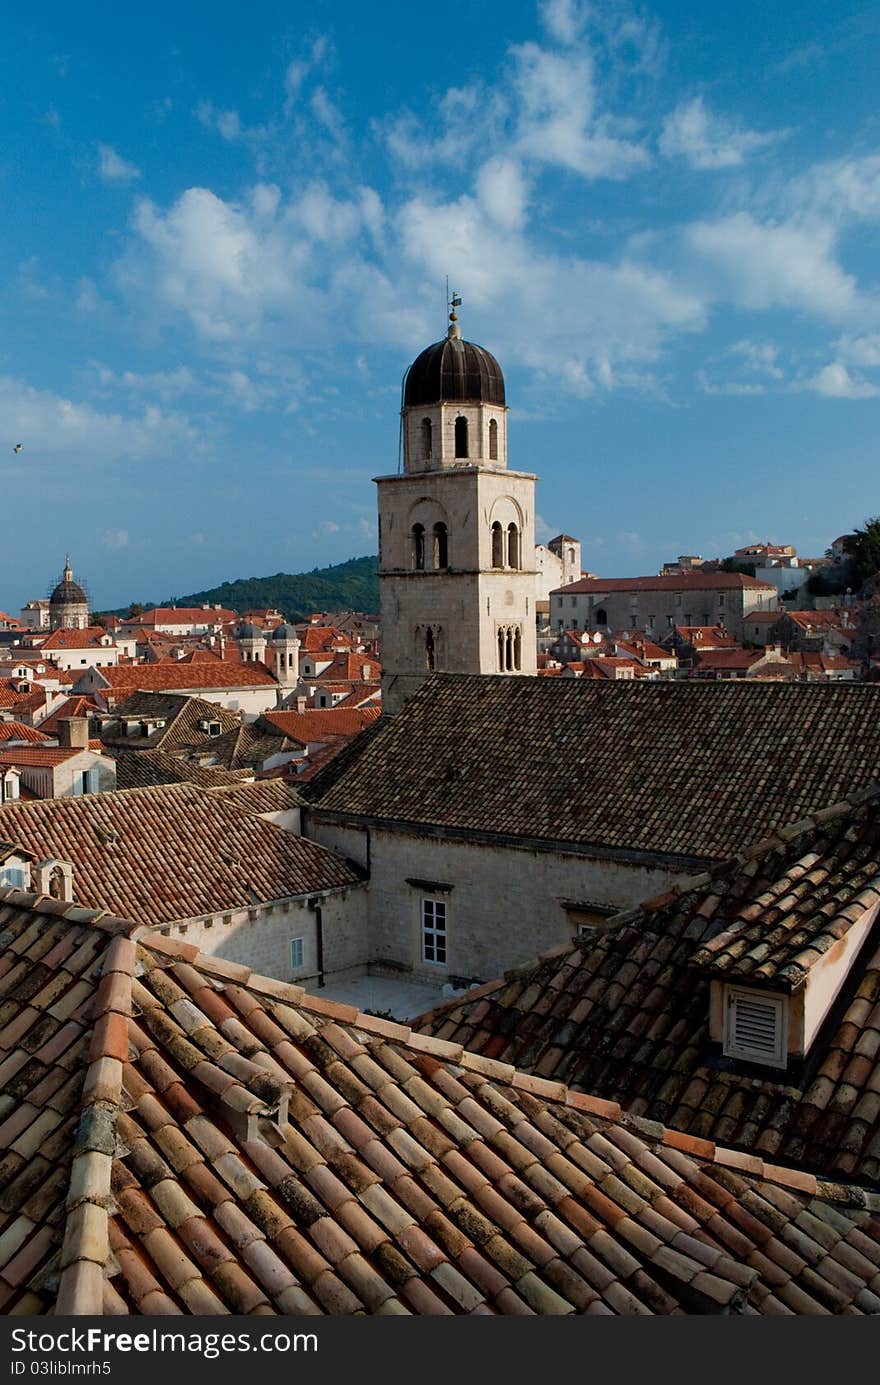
657 604
456 529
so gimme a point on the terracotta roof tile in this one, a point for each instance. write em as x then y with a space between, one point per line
174 852
203 1211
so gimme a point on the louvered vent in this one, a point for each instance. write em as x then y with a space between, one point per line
755 1028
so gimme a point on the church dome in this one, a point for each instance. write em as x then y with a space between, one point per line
68 592
284 632
454 371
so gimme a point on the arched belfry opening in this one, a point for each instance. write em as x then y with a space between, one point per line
461 436
497 545
441 545
427 439
418 547
493 440
430 651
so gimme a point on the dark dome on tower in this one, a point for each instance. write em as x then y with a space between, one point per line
68 592
454 371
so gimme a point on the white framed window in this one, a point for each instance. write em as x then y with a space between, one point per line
756 1027
434 931
296 953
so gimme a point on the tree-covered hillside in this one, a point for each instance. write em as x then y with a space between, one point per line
349 586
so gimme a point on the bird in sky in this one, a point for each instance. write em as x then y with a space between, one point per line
18 446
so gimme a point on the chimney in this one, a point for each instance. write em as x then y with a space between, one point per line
73 733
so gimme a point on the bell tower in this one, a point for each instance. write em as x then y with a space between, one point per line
456 528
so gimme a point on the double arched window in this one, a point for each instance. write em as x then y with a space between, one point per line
506 547
439 551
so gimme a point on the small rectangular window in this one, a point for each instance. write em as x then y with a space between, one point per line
434 931
296 953
755 1027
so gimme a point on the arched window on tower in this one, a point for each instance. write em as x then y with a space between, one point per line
418 547
508 650
461 436
493 440
497 545
429 650
500 651
512 546
441 546
517 649
427 440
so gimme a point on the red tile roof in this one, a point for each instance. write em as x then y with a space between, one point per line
37 755
171 675
189 1137
18 731
171 852
317 639
355 668
185 615
316 724
73 707
684 581
74 639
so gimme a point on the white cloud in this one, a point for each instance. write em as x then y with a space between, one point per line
783 264
166 384
564 20
558 122
115 538
759 356
502 191
708 141
54 427
226 123
112 168
840 188
862 350
835 382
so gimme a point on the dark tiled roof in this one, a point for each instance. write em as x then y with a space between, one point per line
695 770
172 852
181 715
144 769
625 1014
263 796
182 1136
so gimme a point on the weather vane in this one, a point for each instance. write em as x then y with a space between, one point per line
452 303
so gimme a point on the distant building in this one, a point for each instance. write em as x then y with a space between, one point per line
557 563
656 604
68 604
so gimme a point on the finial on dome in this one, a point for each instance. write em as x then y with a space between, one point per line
454 329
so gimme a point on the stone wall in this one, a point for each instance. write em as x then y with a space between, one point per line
504 904
260 938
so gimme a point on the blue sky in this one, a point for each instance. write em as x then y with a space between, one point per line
227 230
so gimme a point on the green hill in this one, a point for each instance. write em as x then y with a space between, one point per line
349 586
